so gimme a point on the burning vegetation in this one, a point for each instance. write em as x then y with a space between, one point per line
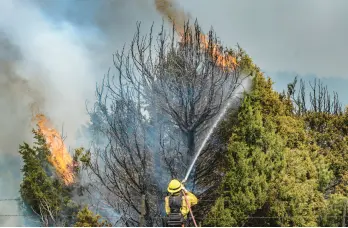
60 157
179 19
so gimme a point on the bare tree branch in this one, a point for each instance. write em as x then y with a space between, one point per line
153 111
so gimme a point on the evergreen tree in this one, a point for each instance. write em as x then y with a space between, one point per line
86 218
333 214
41 191
274 172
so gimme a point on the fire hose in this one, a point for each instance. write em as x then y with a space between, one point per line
188 205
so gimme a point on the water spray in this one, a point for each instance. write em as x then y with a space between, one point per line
211 130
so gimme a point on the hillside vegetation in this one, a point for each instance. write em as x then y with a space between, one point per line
277 159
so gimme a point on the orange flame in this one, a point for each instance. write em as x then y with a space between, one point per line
175 15
222 59
60 157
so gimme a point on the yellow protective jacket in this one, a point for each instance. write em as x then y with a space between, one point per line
191 198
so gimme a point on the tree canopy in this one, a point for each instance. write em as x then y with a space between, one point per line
86 218
277 172
44 194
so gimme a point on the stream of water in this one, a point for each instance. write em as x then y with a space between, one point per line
211 130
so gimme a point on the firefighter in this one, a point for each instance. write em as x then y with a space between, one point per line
175 203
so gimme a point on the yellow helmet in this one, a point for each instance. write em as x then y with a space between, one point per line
174 186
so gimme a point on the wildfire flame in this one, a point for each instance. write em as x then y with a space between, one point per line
222 59
179 17
60 158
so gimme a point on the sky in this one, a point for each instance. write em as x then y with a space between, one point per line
284 38
52 53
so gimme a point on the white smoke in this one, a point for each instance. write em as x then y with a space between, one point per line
45 64
53 61
53 64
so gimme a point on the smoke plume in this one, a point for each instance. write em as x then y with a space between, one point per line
50 61
170 11
43 67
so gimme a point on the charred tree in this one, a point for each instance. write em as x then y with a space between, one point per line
154 111
319 101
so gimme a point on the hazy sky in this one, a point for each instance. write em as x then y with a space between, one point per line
284 38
